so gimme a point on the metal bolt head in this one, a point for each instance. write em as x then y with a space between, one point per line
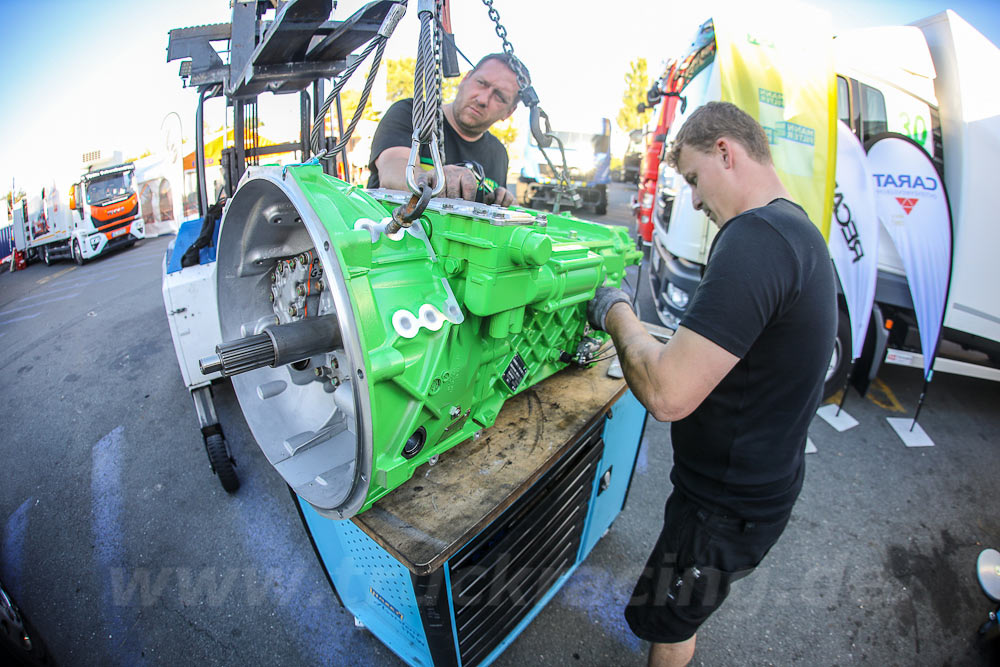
319 285
274 277
477 435
302 260
455 411
300 289
292 311
272 297
572 234
318 371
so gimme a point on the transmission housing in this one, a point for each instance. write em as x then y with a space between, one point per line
387 349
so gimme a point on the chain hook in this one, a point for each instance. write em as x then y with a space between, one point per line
404 215
414 161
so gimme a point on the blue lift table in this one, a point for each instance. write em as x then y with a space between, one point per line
450 567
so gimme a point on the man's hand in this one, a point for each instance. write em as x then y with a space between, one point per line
459 183
600 305
500 197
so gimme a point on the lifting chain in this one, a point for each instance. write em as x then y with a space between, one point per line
543 137
523 84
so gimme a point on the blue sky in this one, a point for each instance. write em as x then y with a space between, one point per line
84 75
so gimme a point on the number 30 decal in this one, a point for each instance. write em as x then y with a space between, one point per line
917 130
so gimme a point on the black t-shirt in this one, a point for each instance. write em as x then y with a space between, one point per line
768 297
396 129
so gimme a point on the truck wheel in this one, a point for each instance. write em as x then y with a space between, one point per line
601 207
45 256
78 254
222 462
840 357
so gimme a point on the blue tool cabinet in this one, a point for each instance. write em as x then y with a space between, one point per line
450 568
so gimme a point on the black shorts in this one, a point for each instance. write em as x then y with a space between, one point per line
698 555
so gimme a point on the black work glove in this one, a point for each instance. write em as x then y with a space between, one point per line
604 298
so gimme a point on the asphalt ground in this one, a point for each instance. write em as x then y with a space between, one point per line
123 549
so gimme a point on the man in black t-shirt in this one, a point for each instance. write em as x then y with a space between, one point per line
740 379
487 94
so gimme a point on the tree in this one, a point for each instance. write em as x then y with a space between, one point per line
636 85
349 103
399 80
506 132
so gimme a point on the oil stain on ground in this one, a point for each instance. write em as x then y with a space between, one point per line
930 571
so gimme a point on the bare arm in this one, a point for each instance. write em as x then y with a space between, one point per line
391 165
670 380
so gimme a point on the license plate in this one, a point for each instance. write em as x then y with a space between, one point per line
119 232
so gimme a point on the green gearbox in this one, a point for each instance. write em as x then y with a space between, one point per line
358 354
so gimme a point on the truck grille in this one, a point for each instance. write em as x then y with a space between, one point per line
498 577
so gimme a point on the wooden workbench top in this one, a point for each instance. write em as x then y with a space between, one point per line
429 518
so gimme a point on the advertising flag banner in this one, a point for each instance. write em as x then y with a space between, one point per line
913 207
854 233
776 63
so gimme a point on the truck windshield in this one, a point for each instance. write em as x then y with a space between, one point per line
105 188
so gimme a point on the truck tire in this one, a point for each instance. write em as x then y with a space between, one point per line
601 208
78 253
45 256
221 462
840 356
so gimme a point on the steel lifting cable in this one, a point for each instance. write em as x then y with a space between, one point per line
427 118
377 45
426 81
427 109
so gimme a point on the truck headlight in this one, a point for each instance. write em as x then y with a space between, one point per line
678 298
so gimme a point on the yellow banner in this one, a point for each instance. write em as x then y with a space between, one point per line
776 63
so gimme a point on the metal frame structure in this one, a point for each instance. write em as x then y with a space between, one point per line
299 49
295 51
